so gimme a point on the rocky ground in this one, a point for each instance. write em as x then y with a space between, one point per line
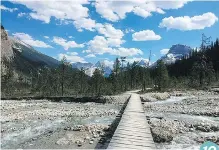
182 119
43 124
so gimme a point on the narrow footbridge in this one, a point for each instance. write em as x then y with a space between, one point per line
133 131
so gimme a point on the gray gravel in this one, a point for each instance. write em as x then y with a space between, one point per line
43 124
184 119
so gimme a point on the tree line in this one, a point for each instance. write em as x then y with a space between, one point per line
199 69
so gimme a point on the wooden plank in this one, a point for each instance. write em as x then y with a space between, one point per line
133 131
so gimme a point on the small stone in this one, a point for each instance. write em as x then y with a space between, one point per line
101 133
50 131
91 142
180 131
87 138
191 129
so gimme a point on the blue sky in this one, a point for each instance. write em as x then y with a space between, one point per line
88 31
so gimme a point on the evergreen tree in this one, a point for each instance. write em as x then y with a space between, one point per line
161 76
98 81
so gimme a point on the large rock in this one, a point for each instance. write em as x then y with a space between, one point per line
161 96
161 135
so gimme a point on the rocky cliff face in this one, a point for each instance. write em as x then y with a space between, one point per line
6 45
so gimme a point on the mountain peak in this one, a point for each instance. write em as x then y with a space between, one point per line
180 49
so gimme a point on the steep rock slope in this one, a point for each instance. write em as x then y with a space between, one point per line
6 45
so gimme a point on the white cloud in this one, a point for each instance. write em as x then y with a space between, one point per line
46 37
66 44
85 23
108 63
21 14
126 52
70 37
29 40
44 10
171 4
41 17
145 35
71 57
189 23
141 12
164 51
129 30
136 59
113 36
114 42
116 10
90 56
109 31
100 45
2 7
64 11
72 53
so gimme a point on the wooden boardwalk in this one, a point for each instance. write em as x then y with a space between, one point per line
133 131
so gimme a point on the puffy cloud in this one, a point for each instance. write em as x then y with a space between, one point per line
114 42
164 51
108 63
26 38
65 11
2 7
101 45
145 35
141 12
136 59
171 4
126 52
71 57
109 31
90 56
85 23
44 10
46 37
66 44
189 23
114 36
70 37
98 45
116 10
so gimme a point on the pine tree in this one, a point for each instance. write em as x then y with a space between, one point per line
161 75
62 70
116 66
98 81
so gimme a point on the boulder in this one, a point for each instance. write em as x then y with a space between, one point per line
161 135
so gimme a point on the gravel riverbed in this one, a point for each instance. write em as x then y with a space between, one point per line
43 124
182 120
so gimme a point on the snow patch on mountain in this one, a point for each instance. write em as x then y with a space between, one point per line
176 52
90 68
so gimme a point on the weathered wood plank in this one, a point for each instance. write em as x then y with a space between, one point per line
133 131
